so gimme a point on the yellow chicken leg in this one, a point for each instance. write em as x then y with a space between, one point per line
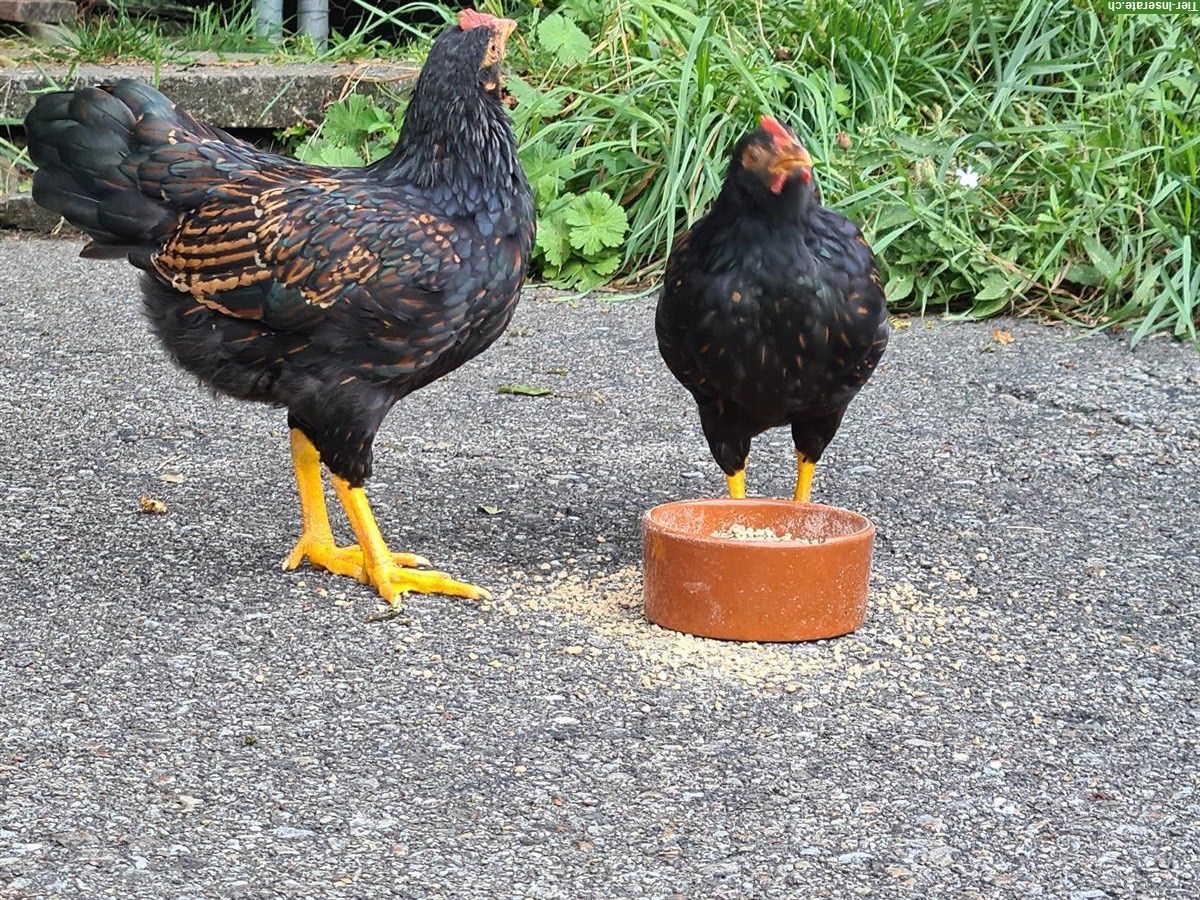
737 485
393 580
804 478
316 537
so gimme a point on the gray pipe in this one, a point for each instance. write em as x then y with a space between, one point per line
268 15
313 18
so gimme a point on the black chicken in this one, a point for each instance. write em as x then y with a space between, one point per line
773 312
332 292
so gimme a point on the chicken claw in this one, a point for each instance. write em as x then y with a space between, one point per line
393 582
391 579
316 539
322 552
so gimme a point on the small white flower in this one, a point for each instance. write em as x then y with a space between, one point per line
967 177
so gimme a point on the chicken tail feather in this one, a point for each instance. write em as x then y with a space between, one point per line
112 160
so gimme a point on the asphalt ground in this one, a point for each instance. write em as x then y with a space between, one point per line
1019 717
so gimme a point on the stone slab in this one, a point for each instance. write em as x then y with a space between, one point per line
36 11
238 94
17 210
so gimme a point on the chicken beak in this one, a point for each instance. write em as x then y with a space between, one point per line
788 155
789 160
504 29
501 29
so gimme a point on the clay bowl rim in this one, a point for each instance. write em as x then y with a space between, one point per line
866 529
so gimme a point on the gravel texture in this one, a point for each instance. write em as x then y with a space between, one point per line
1019 717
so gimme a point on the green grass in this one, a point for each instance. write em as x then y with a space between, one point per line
15 167
1084 130
126 32
117 33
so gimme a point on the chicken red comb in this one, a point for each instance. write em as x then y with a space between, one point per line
777 132
469 18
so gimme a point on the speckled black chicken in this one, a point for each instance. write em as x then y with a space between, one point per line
331 292
773 312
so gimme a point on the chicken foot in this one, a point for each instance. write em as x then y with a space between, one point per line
391 578
804 477
737 484
316 537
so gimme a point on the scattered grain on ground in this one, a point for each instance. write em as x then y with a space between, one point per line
898 642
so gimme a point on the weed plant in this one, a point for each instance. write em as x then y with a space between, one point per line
1030 156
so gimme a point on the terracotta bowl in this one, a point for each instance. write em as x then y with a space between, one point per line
701 579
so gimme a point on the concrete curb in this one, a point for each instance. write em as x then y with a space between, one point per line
18 211
233 93
238 92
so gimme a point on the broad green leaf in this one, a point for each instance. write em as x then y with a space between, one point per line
379 121
546 187
525 390
841 100
597 221
995 295
997 286
327 154
532 103
552 240
563 40
899 288
605 265
989 307
349 120
1100 257
1081 273
546 168
892 215
586 10
575 276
